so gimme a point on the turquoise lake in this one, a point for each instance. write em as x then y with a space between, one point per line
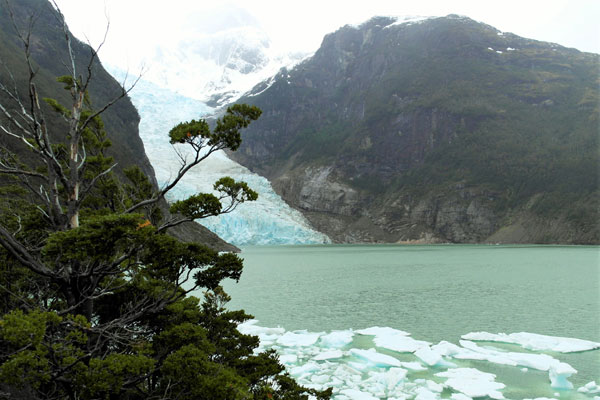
434 292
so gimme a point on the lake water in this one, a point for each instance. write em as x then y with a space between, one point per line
434 292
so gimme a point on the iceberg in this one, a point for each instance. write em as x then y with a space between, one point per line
337 339
558 374
375 358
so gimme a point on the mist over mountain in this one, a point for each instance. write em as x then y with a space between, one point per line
217 55
437 130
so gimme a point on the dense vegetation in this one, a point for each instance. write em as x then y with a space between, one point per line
96 300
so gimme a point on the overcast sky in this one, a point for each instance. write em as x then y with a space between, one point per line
301 25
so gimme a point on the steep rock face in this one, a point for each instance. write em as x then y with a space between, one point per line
442 129
50 53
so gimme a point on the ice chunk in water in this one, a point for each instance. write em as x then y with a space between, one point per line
328 355
431 356
390 378
379 331
305 369
250 328
402 344
337 339
460 396
536 342
393 339
378 359
298 338
317 360
428 356
413 366
355 394
425 394
542 362
558 374
288 358
472 382
542 398
590 388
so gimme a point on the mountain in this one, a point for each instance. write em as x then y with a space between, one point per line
269 220
434 130
216 56
50 54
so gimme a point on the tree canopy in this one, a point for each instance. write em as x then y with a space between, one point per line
96 299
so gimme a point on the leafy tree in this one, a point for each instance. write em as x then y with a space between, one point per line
95 297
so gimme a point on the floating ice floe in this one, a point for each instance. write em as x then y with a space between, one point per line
375 358
329 355
335 360
473 383
536 342
337 339
394 339
298 338
590 388
558 372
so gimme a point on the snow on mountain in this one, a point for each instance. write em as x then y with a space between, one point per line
269 220
219 55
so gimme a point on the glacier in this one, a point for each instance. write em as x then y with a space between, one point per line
347 362
267 221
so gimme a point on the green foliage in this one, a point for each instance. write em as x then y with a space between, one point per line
188 131
226 134
101 308
204 205
235 190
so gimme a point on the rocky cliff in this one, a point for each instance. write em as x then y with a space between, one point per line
438 130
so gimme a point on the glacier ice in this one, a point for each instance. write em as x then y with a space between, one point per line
336 359
269 220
